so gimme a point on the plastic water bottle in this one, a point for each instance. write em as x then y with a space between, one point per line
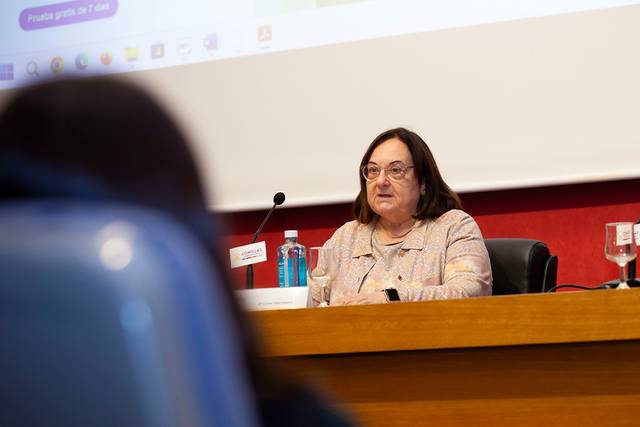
292 261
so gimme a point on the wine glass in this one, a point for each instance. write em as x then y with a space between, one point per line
322 269
619 247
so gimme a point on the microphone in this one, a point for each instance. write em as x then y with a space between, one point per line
278 199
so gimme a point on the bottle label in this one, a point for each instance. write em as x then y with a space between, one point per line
281 272
302 271
292 272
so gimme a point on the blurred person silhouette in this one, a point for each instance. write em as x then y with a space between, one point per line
106 140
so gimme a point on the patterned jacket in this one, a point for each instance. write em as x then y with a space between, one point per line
443 258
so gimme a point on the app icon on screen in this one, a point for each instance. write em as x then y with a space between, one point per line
6 72
106 58
57 65
32 68
264 33
157 50
184 46
131 54
82 61
210 41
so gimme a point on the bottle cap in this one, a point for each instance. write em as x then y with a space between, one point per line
290 233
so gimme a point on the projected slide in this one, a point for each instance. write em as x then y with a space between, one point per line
41 39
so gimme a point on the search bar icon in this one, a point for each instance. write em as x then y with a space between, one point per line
32 68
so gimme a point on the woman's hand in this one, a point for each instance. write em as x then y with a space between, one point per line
360 299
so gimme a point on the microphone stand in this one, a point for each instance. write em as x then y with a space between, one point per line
249 278
278 199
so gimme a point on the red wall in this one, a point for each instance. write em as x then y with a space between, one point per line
569 218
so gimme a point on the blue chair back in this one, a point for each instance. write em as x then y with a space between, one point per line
112 315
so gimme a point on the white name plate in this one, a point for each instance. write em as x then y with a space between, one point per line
273 298
624 234
248 254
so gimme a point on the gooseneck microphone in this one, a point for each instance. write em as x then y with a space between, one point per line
278 199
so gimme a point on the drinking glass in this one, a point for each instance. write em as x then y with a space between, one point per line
322 269
619 247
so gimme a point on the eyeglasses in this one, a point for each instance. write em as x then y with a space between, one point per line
395 171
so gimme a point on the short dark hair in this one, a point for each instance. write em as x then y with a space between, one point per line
439 197
97 138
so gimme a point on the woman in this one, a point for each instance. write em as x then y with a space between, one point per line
409 233
103 140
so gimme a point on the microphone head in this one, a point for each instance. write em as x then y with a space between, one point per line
278 199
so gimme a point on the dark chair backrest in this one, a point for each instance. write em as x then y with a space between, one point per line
521 266
113 316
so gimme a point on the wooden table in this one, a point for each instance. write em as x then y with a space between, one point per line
566 359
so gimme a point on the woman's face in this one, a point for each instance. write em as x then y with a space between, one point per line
394 200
